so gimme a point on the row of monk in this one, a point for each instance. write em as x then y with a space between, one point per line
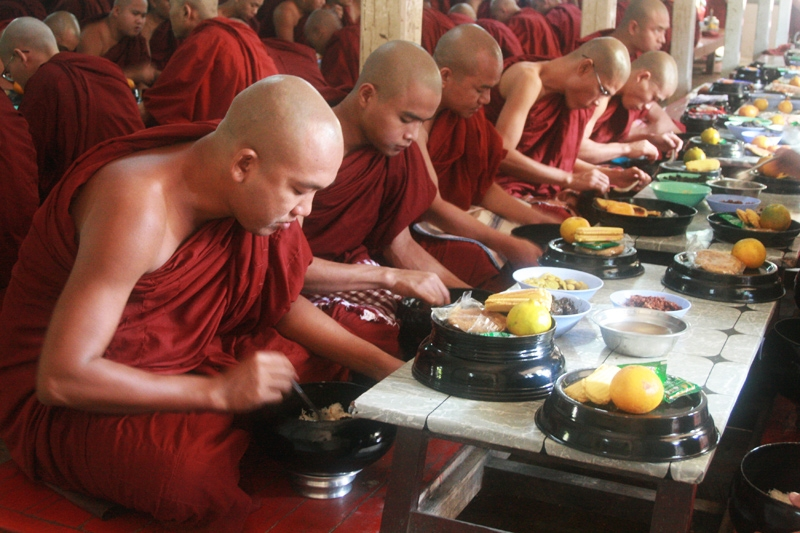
170 279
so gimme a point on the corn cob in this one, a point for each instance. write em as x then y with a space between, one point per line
502 302
598 233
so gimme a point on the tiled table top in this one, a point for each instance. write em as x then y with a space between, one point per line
716 353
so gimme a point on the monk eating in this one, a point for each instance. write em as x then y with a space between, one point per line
289 18
65 28
531 28
218 58
72 101
642 29
631 123
465 151
381 188
564 18
158 295
340 48
541 109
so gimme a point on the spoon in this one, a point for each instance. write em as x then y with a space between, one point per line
747 175
300 392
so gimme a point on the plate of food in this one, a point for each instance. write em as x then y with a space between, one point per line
748 223
644 216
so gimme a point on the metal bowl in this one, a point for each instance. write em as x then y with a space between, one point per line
732 186
639 332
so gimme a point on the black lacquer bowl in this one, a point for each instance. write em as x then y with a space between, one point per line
539 234
660 226
560 253
725 231
777 185
679 430
781 355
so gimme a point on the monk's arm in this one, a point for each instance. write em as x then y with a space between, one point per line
621 178
405 252
323 336
659 129
325 276
91 42
285 18
520 86
595 152
500 202
526 169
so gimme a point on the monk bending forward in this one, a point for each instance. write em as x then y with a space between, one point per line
157 295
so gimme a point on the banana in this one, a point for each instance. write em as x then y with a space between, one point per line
502 302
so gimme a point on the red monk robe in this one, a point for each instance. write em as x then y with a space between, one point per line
218 60
534 33
163 44
552 135
11 9
565 19
434 25
616 121
73 102
508 42
340 63
266 28
373 199
460 18
301 60
84 10
216 299
19 196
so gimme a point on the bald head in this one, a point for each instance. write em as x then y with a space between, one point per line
25 45
397 65
610 58
65 28
643 10
320 27
503 10
644 26
465 48
662 68
464 9
186 15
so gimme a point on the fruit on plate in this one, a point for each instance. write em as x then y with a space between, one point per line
785 106
710 136
597 385
775 217
702 165
761 103
770 168
693 154
761 141
529 318
750 252
570 225
636 389
748 110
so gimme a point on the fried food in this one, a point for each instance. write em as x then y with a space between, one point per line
624 208
598 233
476 320
502 302
719 262
749 217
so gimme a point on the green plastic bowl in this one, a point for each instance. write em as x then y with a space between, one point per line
689 194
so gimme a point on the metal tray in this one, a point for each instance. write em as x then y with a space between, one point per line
724 231
679 430
728 147
649 226
560 253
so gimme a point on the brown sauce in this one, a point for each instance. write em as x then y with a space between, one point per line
643 328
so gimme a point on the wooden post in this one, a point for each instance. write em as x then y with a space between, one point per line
388 20
733 34
782 27
763 24
684 15
598 15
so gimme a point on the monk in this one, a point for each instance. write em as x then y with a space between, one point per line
434 25
642 29
564 18
218 58
381 188
19 194
65 28
71 102
244 10
158 33
84 10
508 41
341 55
530 27
289 18
349 11
173 263
462 14
465 152
117 37
631 123
319 29
541 109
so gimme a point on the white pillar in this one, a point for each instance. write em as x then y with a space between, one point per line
684 15
598 15
388 20
733 34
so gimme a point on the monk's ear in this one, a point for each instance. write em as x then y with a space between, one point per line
643 75
633 27
243 164
366 93
447 74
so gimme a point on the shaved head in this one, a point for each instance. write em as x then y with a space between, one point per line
502 10
186 15
611 59
662 68
464 9
206 8
320 27
642 11
397 65
463 48
65 28
27 33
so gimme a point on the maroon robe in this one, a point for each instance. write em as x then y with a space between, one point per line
218 60
565 19
615 122
509 43
266 27
73 102
19 196
534 33
460 18
301 60
84 10
340 63
434 25
299 30
214 301
163 44
11 9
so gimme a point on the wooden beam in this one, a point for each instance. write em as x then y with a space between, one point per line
734 21
598 15
684 15
388 20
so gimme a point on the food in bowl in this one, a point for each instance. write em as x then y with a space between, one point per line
335 411
658 303
599 240
633 389
639 332
624 208
689 194
732 186
551 281
646 299
729 203
593 283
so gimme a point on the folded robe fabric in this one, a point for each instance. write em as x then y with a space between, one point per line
11 9
534 33
615 122
340 63
215 300
434 25
508 41
218 60
301 60
73 102
163 44
565 19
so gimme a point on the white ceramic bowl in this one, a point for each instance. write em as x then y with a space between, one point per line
639 332
729 203
564 323
619 299
594 283
772 137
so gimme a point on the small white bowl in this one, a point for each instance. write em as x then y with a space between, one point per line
564 323
773 137
619 299
729 203
594 283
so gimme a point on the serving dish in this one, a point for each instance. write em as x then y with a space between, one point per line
777 185
593 282
564 323
732 186
651 226
639 332
729 203
725 231
689 194
619 299
560 253
729 146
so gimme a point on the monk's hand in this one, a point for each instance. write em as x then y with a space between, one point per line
629 177
261 378
521 252
591 180
426 286
643 148
666 142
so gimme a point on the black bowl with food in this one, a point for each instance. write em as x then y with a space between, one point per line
663 219
726 231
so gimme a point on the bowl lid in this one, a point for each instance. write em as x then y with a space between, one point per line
679 430
650 226
754 286
777 185
729 146
560 253
725 231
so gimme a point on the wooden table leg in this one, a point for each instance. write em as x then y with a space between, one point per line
405 479
673 508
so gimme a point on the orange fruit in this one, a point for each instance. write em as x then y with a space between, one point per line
795 81
775 217
761 141
778 120
570 225
636 389
750 252
761 103
710 136
785 106
748 110
770 169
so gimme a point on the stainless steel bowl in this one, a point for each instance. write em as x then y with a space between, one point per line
732 186
639 332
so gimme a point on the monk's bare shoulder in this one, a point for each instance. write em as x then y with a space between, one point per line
521 77
95 39
286 13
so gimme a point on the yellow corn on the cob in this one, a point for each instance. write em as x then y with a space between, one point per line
502 302
598 234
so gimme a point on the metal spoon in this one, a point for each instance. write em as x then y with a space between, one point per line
300 392
747 175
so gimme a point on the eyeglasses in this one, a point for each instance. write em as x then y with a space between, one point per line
603 90
6 74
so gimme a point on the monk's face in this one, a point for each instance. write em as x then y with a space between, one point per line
247 9
67 41
651 35
130 18
587 88
640 92
392 123
465 93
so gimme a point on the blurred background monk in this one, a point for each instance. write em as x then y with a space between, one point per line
65 28
632 123
71 102
11 9
158 296
531 28
462 14
642 29
541 109
289 18
434 25
244 10
158 33
508 41
381 188
341 52
218 58
84 10
465 151
565 20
